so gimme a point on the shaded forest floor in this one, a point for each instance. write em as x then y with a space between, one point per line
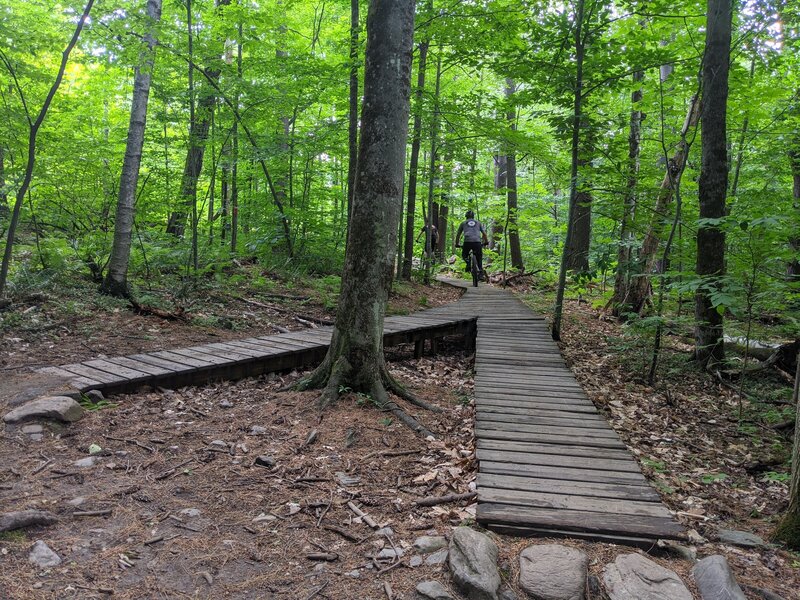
192 515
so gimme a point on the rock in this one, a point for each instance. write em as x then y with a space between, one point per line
32 428
431 590
390 553
715 580
84 463
226 404
762 593
265 460
596 590
437 558
258 430
507 594
740 538
263 517
473 562
95 395
26 518
59 408
428 543
42 556
678 550
415 561
77 501
384 531
355 574
632 576
219 444
553 572
190 512
347 480
24 387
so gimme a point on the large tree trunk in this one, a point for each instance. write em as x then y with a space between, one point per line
622 280
713 184
4 210
352 127
638 291
500 187
578 249
116 279
355 357
416 142
30 163
793 270
788 529
511 165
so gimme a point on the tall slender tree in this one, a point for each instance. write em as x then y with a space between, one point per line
511 183
355 357
116 279
713 184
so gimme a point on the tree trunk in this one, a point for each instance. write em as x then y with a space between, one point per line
788 529
416 141
713 184
573 188
4 210
639 288
199 125
234 204
433 208
511 164
793 269
619 300
355 357
116 280
500 185
578 250
30 163
352 164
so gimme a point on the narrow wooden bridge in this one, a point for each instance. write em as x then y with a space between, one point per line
549 463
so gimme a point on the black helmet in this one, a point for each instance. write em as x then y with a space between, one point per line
470 214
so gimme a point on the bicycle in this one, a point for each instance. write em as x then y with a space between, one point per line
474 268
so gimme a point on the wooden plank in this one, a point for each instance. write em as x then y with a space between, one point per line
78 381
116 370
612 506
547 438
127 361
177 356
164 363
583 521
559 411
230 351
553 420
621 489
492 390
92 373
221 354
573 475
591 463
605 433
265 348
210 356
537 401
560 449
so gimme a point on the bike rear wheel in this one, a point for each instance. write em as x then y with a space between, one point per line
473 267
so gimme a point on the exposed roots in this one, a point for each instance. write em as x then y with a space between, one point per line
399 390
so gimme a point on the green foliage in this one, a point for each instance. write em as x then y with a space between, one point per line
95 405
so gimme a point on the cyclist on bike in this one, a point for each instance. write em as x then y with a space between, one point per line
473 231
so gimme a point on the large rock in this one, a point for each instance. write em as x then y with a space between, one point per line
715 580
634 577
553 572
473 562
740 538
429 543
43 556
58 408
431 590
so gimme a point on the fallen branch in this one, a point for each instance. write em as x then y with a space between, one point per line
364 516
141 309
344 533
390 453
131 441
435 500
317 591
92 513
26 518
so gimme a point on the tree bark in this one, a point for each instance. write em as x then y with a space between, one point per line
416 142
578 250
788 529
33 130
4 210
116 279
511 166
352 164
622 280
713 184
793 269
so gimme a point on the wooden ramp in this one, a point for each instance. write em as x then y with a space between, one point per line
549 464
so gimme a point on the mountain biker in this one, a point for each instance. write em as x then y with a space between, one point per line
473 231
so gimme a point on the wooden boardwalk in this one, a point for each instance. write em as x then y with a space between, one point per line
549 463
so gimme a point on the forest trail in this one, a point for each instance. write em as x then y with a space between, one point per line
549 463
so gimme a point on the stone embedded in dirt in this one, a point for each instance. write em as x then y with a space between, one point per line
355 574
384 531
95 395
263 517
190 512
473 562
429 543
43 556
390 553
226 404
59 408
219 444
347 480
762 593
77 501
678 550
265 460
431 590
553 572
715 580
740 538
415 561
437 558
32 428
634 576
84 463
507 594
258 430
